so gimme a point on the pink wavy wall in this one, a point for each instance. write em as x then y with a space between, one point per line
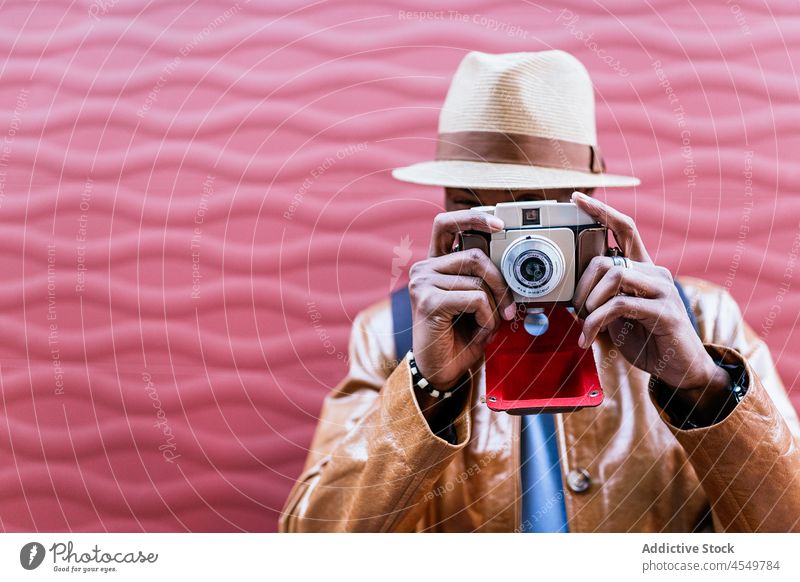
195 202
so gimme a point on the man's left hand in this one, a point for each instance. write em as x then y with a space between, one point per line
642 311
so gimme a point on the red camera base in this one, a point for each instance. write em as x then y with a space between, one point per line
528 374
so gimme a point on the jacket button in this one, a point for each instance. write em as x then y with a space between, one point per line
579 480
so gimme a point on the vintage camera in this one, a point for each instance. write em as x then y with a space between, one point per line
543 250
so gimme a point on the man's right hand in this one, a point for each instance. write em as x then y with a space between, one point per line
457 300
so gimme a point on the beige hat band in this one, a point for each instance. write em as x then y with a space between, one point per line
510 148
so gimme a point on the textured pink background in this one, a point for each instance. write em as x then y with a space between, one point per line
126 120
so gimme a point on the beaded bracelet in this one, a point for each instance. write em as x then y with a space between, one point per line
420 382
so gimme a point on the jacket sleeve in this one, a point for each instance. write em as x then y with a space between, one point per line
748 463
373 455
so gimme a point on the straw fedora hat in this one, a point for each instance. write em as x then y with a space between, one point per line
517 121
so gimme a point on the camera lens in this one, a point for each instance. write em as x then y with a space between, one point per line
533 266
535 269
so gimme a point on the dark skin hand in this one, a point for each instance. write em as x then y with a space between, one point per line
640 305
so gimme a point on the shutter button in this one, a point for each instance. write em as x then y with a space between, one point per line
579 480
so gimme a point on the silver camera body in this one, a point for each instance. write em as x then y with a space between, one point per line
543 250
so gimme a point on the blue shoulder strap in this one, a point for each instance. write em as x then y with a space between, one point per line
688 306
401 322
544 509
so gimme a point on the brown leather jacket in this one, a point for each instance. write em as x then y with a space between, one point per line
374 464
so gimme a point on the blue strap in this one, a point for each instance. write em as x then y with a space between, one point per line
543 506
688 306
401 321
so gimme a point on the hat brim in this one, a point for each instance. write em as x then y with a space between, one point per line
493 176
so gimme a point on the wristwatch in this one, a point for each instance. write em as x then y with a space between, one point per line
684 416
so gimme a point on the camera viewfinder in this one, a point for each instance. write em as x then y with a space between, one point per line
530 216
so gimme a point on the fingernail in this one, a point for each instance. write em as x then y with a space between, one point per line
582 341
509 312
495 223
